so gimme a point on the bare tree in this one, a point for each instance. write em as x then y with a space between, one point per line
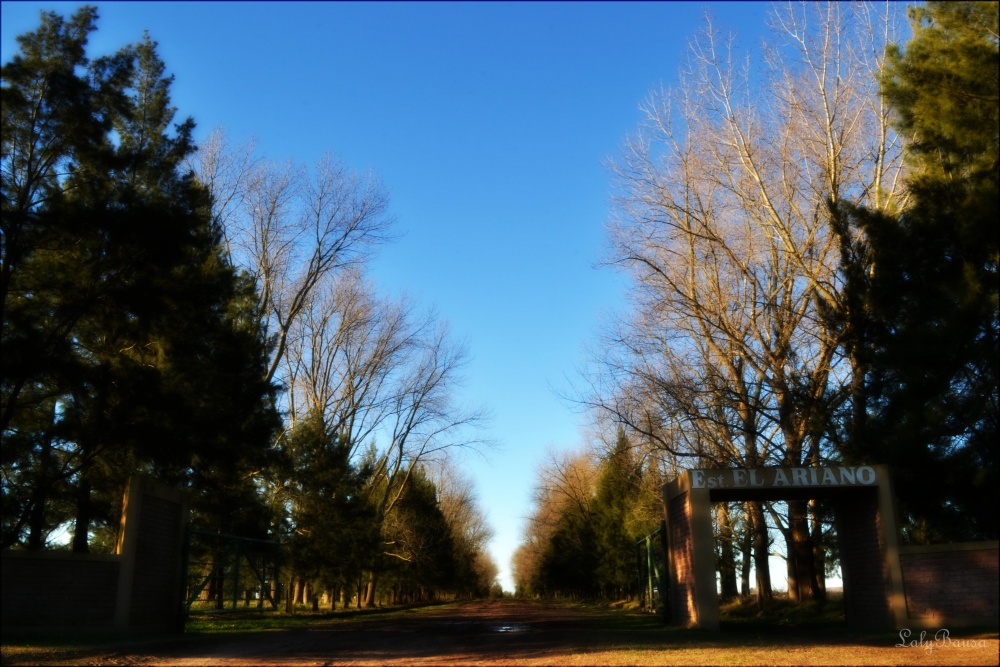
381 377
565 483
469 525
723 221
345 354
460 506
424 422
290 228
225 169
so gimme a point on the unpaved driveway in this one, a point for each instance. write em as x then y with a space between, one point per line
470 633
513 632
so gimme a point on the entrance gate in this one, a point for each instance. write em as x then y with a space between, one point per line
862 500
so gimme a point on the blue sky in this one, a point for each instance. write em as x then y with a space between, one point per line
490 125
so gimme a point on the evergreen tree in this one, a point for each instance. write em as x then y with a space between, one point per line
332 527
419 541
617 491
569 565
924 285
50 113
129 342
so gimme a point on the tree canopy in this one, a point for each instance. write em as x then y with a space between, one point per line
117 299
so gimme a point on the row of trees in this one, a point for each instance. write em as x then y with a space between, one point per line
813 254
369 380
592 507
204 316
589 508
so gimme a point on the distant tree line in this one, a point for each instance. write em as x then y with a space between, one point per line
812 245
202 315
580 541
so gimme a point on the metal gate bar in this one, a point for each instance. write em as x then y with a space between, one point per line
651 567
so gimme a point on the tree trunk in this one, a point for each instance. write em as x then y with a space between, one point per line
36 518
746 549
761 544
81 531
727 556
791 566
39 498
219 580
819 553
213 584
370 592
802 580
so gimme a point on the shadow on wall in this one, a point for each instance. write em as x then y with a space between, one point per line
953 584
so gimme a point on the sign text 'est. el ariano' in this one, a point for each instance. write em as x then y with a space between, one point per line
777 478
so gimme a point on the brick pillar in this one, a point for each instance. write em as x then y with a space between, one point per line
691 554
680 559
952 585
151 542
867 585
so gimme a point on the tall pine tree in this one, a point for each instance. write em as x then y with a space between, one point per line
617 492
924 284
129 343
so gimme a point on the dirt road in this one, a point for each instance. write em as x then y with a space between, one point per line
510 632
471 633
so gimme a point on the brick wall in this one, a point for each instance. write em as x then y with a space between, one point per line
957 581
58 589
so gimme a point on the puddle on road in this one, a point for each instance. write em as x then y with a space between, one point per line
509 628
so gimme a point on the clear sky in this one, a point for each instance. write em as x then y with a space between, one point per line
490 125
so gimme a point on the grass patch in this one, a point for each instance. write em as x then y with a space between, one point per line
608 615
236 621
240 621
203 624
740 614
783 613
